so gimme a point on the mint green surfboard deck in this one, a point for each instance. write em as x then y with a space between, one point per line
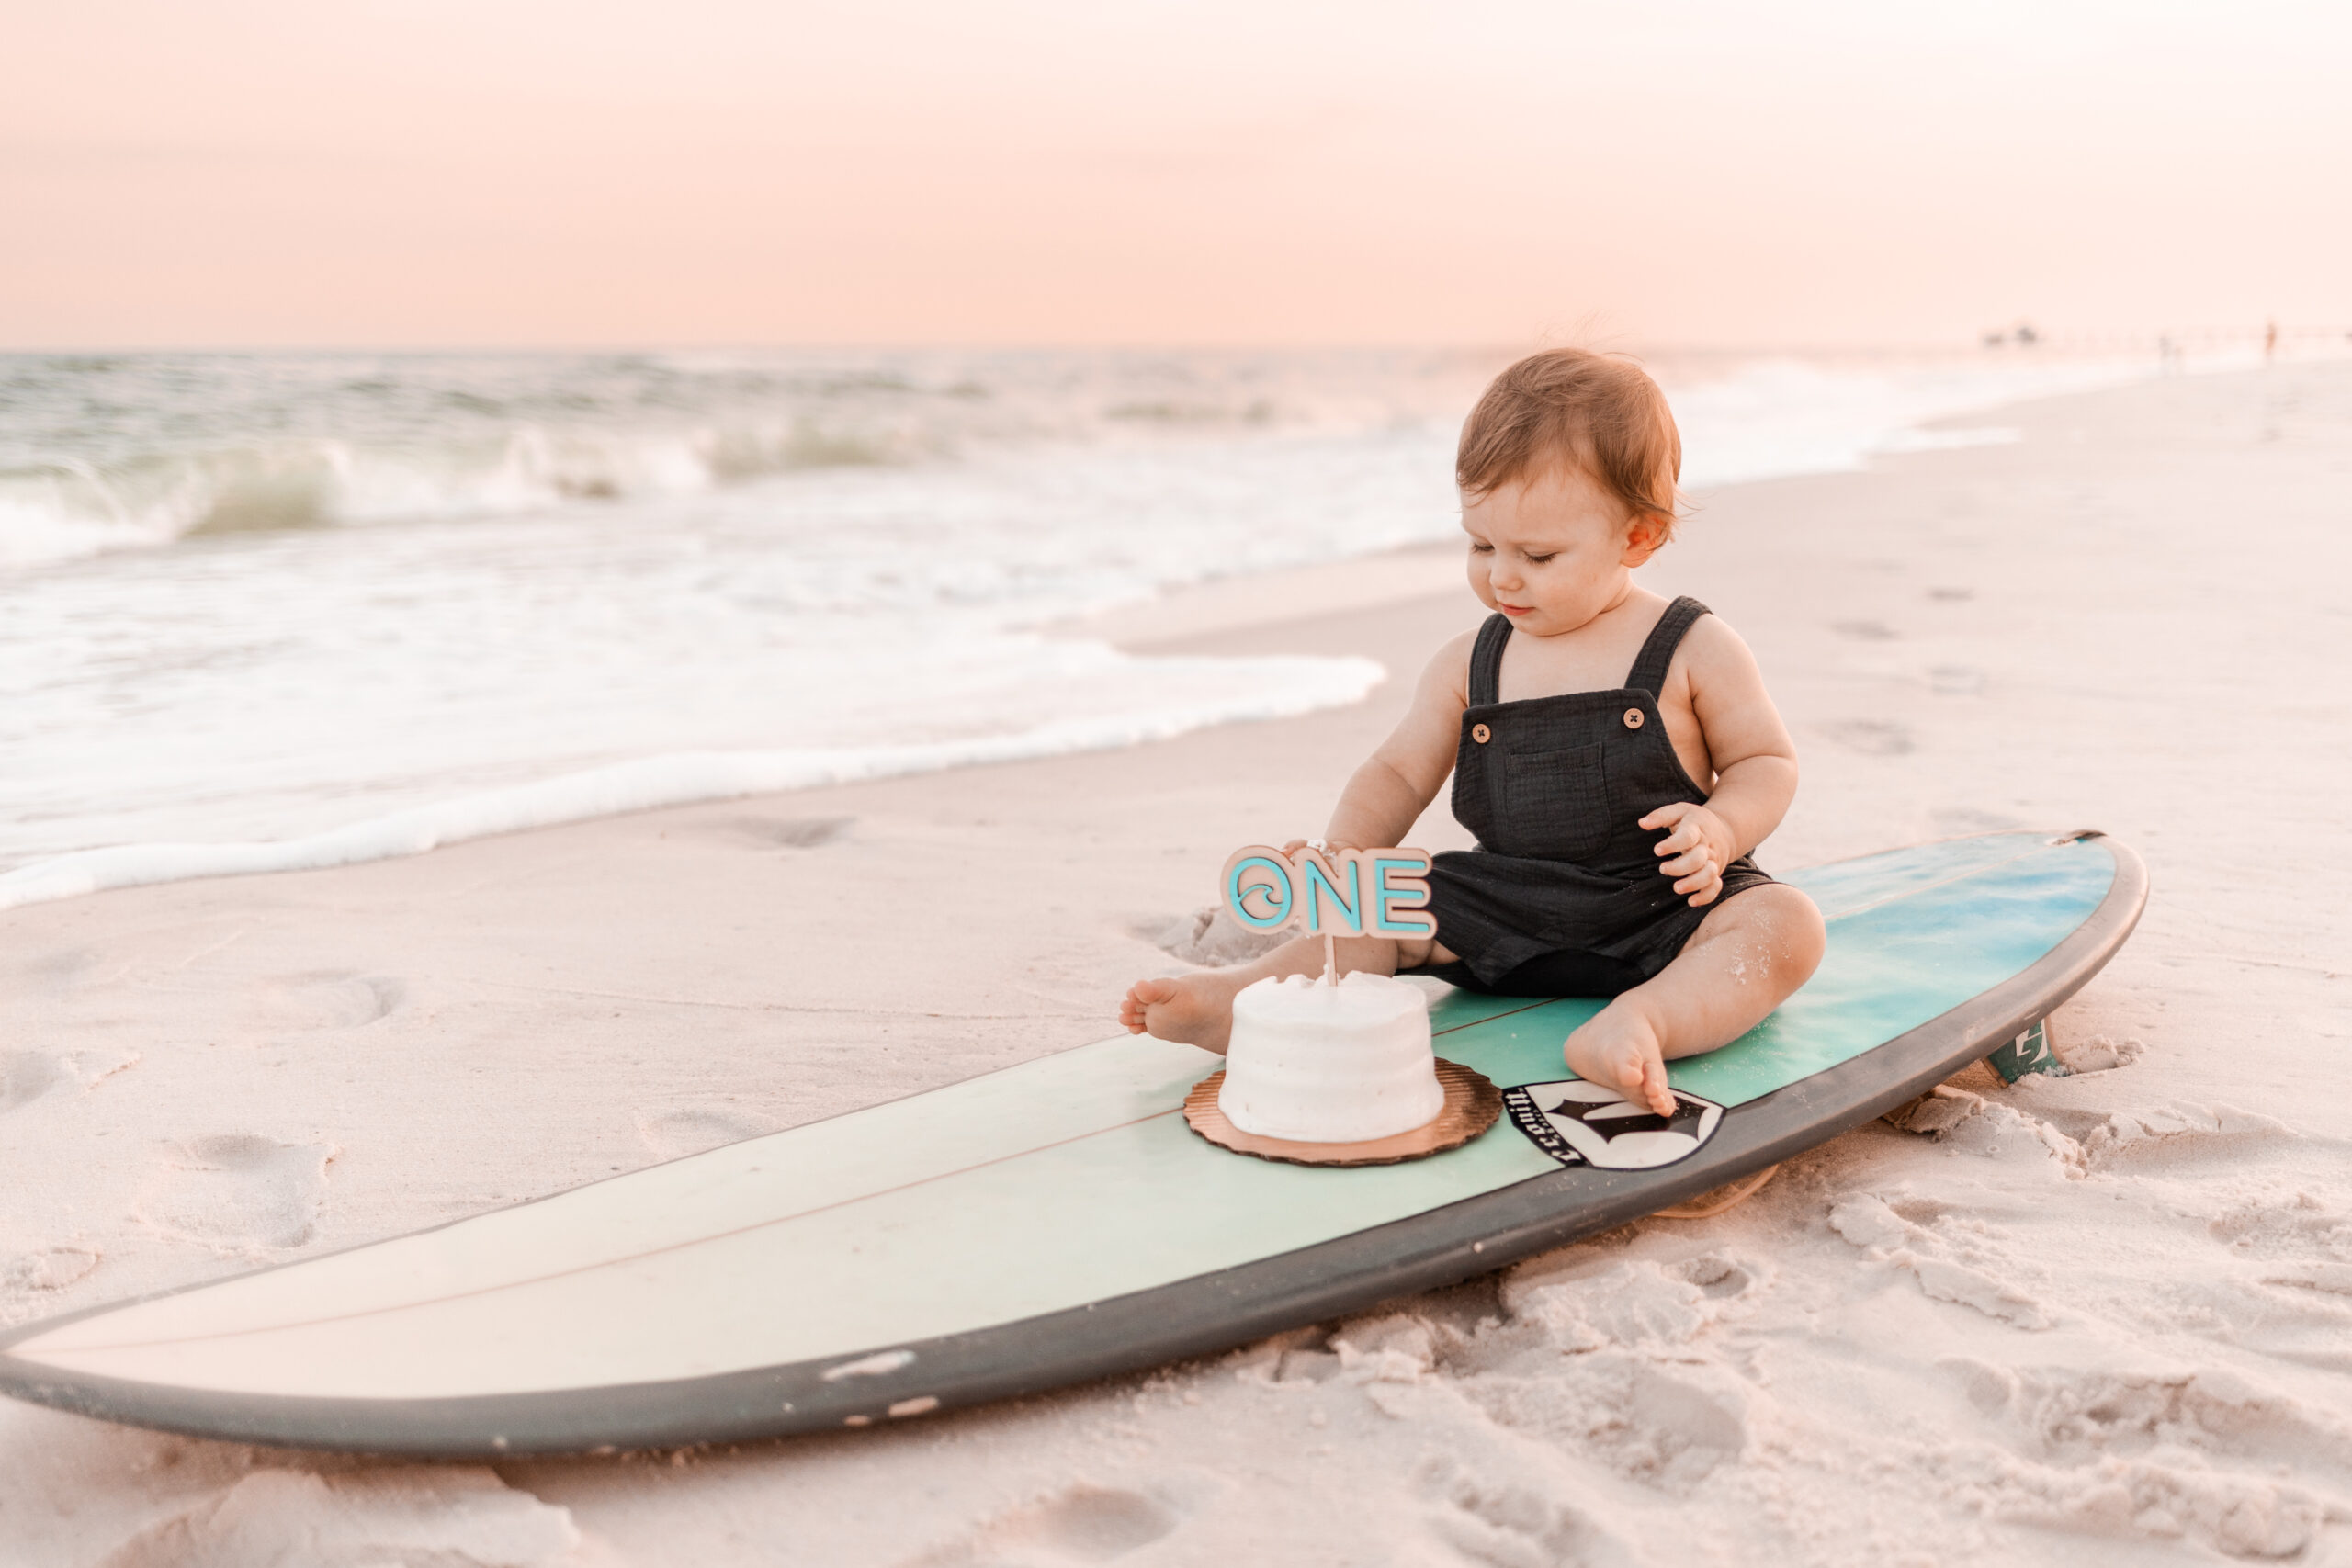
1058 1221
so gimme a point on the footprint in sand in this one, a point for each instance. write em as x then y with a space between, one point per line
331 1000
1209 936
2099 1054
1488 1520
1872 738
239 1191
2162 1452
673 1135
2306 1224
1083 1523
1620 1361
25 1077
1961 1263
787 833
366 1520
2182 1136
2279 1279
28 1075
48 1269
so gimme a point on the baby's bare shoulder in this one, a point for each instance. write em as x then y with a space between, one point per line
1725 692
1712 652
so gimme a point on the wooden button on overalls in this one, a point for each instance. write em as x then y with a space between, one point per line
1633 718
1481 734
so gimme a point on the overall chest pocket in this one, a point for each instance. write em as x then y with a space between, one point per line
1554 802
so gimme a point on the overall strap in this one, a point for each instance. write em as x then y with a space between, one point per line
1486 661
1650 666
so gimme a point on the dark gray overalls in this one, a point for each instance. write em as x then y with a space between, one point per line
1563 896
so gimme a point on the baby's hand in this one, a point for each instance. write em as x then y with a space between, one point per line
1700 846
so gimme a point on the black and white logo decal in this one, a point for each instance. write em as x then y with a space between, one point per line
1584 1123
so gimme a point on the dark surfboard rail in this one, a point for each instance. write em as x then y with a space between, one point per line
1198 1316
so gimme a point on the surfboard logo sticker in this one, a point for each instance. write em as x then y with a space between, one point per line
1584 1123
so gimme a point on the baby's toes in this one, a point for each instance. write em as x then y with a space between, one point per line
1142 996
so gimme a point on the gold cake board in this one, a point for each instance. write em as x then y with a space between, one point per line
1471 1104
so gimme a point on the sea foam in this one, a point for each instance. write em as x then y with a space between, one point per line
1294 686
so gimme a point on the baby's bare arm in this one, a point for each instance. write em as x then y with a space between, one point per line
1389 794
1755 760
1754 765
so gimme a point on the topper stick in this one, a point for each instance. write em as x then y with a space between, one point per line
1330 958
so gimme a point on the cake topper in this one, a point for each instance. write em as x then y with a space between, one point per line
1360 892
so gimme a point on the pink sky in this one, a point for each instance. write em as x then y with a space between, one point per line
523 172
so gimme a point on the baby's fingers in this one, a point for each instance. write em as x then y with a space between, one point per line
1681 838
1704 887
1665 816
1694 870
1689 860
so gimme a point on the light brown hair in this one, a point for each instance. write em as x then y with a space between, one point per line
1594 412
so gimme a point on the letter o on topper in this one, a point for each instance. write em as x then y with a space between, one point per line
1258 888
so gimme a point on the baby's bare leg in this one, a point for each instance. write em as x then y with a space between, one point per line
1198 1008
1746 958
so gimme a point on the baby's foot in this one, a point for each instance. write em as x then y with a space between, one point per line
1620 1049
1191 1009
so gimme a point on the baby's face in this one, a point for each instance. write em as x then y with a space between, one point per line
1553 552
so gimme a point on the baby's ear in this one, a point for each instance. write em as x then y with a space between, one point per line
1645 535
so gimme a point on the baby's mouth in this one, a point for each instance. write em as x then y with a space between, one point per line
1514 609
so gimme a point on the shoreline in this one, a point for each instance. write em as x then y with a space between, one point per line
213 818
216 1074
1195 620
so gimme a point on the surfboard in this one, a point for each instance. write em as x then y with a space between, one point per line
1058 1220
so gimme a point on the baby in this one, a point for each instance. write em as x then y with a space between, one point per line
1616 755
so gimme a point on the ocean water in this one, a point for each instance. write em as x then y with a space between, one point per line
266 610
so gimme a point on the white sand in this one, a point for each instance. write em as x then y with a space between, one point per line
2106 1318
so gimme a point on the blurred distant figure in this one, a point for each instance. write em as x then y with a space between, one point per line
2271 340
2026 336
2163 356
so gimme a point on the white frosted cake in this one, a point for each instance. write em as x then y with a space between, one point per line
1323 1063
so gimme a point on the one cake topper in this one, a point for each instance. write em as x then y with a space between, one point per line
1360 892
